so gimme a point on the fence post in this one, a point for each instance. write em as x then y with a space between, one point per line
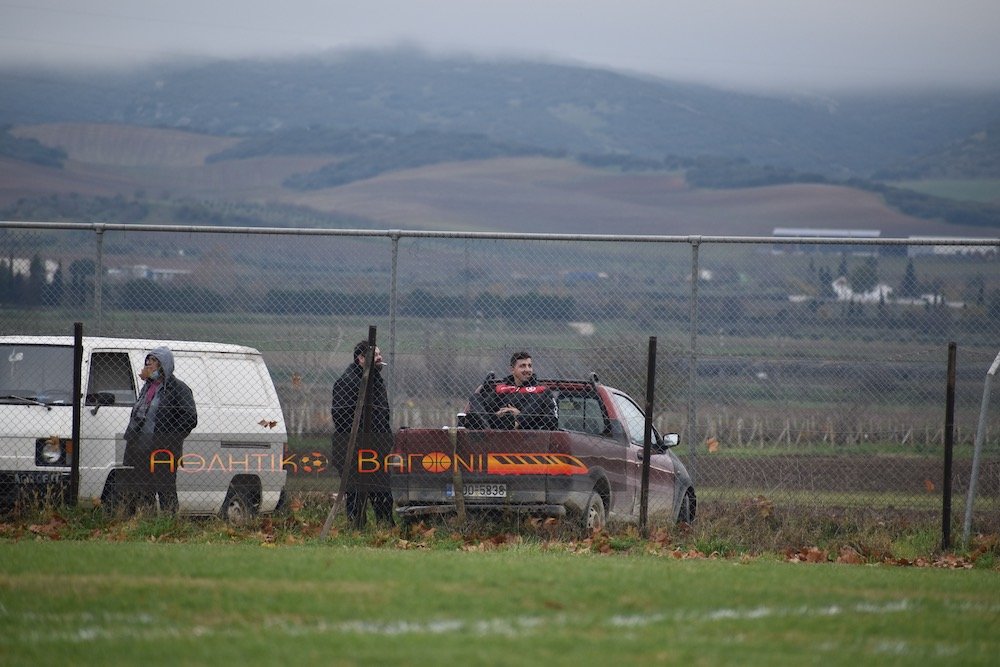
74 466
99 279
647 438
393 277
949 445
692 418
362 423
981 427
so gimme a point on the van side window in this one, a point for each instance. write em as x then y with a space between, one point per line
238 382
111 372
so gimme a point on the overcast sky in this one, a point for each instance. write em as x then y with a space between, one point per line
808 45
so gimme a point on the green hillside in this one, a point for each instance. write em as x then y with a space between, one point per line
552 107
974 157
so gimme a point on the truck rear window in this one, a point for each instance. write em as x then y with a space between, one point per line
581 413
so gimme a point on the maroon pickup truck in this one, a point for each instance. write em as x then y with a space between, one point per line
582 460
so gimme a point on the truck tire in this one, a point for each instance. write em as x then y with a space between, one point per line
593 518
687 510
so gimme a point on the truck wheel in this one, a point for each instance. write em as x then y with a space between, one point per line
112 498
593 517
238 508
687 510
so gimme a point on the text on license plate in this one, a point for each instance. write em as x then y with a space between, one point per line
478 490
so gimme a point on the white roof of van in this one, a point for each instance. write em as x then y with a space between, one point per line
100 342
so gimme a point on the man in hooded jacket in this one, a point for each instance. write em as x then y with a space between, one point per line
163 416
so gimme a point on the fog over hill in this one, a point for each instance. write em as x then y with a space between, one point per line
553 107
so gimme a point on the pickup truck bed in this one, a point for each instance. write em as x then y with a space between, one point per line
588 469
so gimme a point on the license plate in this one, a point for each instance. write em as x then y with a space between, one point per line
36 477
478 490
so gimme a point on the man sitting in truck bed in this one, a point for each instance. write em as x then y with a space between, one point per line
517 401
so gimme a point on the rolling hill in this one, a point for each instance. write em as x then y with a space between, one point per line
552 107
169 170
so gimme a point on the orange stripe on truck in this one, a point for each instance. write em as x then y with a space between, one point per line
534 464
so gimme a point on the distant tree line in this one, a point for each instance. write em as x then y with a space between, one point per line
145 295
29 150
760 314
34 288
392 152
706 171
77 208
118 209
929 207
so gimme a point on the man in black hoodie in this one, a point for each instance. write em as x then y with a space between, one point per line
162 417
363 484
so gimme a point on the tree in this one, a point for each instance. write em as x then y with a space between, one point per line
975 290
842 269
81 281
993 310
36 281
53 293
909 287
826 284
865 277
7 280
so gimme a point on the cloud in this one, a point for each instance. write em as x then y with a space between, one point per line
814 44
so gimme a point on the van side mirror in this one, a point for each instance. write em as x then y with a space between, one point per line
671 440
99 399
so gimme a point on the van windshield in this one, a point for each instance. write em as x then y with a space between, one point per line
36 374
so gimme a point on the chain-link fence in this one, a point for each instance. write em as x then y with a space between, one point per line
798 372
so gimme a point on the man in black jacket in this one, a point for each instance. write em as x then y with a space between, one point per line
362 481
518 401
163 416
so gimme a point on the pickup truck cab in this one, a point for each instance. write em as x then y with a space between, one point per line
589 468
232 462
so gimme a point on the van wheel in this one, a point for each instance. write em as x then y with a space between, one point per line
239 508
593 518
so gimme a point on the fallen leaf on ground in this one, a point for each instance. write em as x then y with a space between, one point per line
850 556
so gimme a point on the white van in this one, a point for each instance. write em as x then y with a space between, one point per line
231 463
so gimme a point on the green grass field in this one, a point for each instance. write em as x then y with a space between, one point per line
95 602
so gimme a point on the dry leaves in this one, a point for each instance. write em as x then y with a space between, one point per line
50 529
691 554
491 543
410 544
806 555
946 561
850 556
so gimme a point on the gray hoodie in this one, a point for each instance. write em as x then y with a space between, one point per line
172 409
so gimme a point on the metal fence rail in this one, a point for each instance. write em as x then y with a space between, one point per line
804 372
